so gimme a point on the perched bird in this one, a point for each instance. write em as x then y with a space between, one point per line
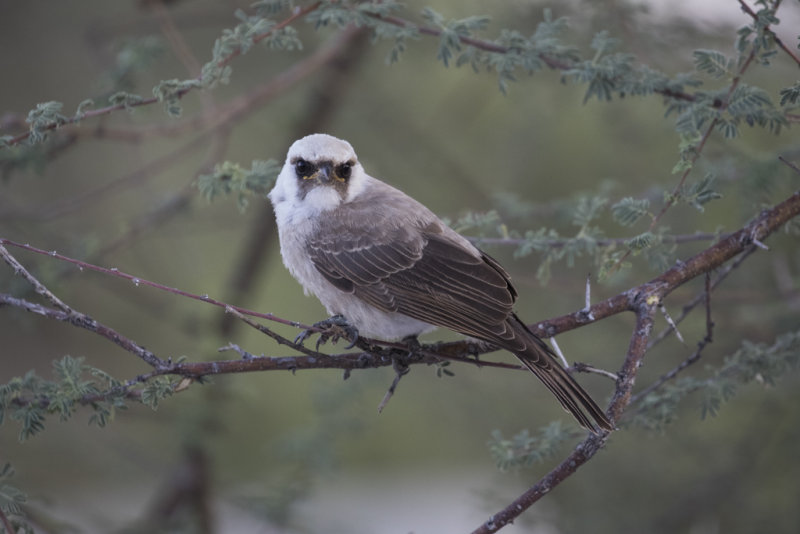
394 270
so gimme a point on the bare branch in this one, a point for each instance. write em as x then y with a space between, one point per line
84 321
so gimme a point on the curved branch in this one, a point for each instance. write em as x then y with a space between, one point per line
593 442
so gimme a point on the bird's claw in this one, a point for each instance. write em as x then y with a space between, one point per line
333 329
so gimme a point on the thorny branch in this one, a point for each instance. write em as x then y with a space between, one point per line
377 354
643 301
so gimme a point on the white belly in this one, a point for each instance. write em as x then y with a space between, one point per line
370 321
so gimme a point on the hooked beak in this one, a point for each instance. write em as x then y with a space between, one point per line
325 173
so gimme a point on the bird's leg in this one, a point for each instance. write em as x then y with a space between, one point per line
401 368
413 344
333 329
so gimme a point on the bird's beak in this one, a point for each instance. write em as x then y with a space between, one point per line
325 174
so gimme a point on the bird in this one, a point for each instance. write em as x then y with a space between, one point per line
393 270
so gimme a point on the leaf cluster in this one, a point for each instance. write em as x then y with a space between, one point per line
507 54
30 399
585 212
751 363
231 178
12 499
524 450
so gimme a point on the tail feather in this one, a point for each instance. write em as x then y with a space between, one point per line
541 361
569 393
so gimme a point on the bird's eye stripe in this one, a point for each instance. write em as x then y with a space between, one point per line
304 169
343 171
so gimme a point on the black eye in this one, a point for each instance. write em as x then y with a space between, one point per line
343 171
303 168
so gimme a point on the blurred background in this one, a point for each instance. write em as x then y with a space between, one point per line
308 452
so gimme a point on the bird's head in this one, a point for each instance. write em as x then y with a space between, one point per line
321 172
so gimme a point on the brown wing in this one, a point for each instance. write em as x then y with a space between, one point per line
424 274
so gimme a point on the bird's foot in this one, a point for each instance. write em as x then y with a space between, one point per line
413 344
331 329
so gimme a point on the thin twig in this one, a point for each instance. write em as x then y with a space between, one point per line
722 275
747 9
587 298
603 242
84 321
668 318
579 367
40 288
791 165
694 357
113 271
264 330
400 370
557 351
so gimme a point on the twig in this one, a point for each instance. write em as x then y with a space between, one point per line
747 9
603 242
558 353
175 39
113 271
723 274
400 370
665 313
587 298
791 165
84 321
264 330
694 357
40 288
709 320
579 367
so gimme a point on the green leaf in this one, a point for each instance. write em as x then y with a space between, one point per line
790 95
169 92
588 208
641 241
712 62
11 498
523 450
45 116
83 106
229 178
156 390
629 210
125 99
700 193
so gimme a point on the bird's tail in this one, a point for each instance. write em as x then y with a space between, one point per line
541 361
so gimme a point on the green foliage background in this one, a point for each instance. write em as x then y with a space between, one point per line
553 156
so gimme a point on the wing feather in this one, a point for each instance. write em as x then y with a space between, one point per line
424 274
